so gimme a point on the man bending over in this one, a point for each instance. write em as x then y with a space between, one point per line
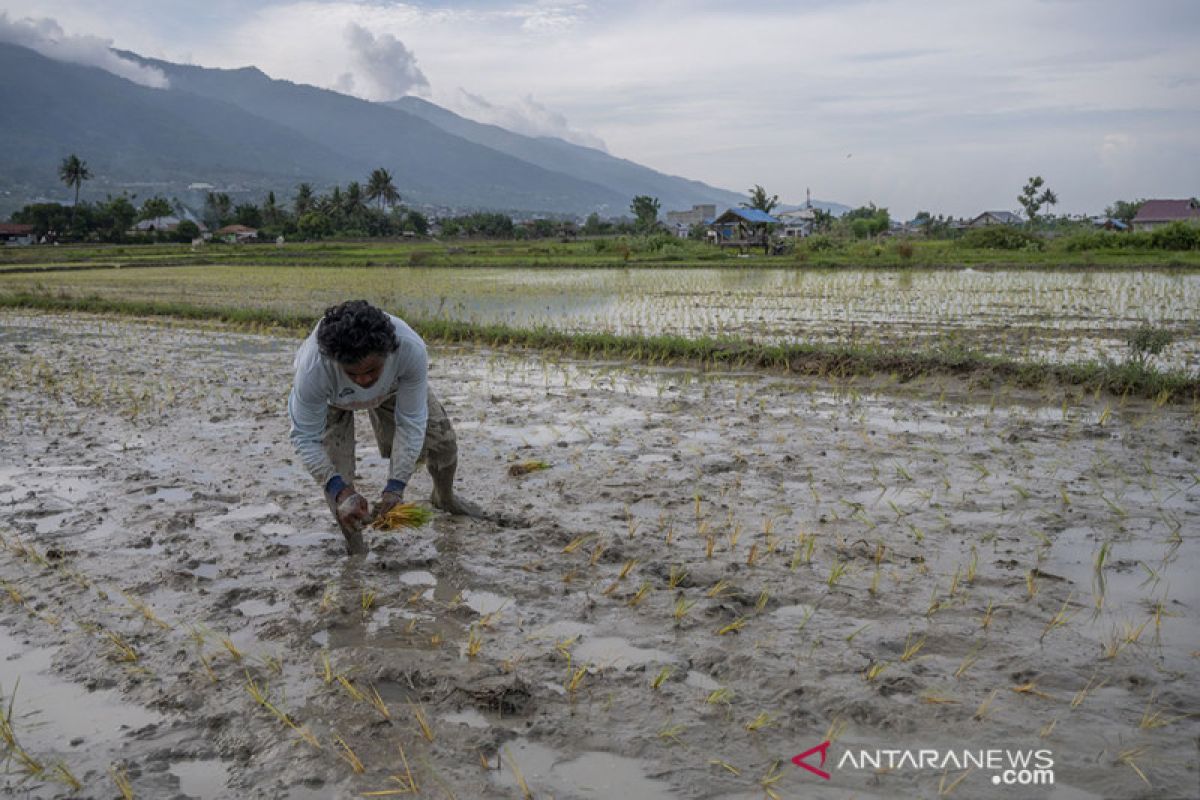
359 357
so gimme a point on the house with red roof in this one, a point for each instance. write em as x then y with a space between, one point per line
1156 213
16 233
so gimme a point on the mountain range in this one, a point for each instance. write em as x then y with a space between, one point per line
244 132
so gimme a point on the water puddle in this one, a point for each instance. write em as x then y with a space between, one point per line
259 608
484 603
618 653
203 778
51 715
469 717
592 774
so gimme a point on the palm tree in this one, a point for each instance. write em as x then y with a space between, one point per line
759 200
380 187
73 172
304 199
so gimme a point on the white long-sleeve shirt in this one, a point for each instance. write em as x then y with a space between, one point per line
320 383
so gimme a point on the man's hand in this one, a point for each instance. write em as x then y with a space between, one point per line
352 514
387 502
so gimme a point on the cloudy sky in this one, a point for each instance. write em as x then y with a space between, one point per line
943 105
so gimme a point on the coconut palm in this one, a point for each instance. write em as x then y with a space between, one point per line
760 200
73 172
380 187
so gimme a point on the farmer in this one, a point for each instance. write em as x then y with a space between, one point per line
359 357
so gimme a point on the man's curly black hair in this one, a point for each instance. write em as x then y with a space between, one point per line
353 330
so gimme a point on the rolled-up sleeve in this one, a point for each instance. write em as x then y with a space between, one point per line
412 412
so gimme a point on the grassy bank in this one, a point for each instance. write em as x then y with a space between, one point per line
600 253
831 361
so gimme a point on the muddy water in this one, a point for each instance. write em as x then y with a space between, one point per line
936 566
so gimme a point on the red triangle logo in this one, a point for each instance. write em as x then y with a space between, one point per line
823 749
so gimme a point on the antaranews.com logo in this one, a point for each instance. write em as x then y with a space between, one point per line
1007 767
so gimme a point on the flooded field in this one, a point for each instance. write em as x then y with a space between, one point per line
719 572
1060 316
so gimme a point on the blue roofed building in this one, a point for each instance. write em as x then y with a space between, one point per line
742 227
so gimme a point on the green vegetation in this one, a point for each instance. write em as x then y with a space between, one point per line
832 361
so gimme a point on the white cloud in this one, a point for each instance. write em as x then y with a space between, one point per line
390 70
526 116
47 37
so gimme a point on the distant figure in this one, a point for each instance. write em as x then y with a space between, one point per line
279 240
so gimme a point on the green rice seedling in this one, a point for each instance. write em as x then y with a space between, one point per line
873 589
122 650
631 524
718 589
732 627
627 568
348 755
725 765
351 689
376 700
837 572
986 621
474 642
671 733
1157 718
1048 729
526 793
937 699
64 775
911 648
681 609
328 599
710 544
1082 694
854 634
1031 587
735 533
947 789
763 598
208 670
968 661
578 542
526 467
639 595
597 551
407 782
678 573
575 679
146 611
1060 619
972 566
1127 757
984 707
721 694
1030 688
402 516
874 671
367 601
660 678
232 649
773 775
121 779
422 719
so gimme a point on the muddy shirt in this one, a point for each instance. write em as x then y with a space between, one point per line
320 383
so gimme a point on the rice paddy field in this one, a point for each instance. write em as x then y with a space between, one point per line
704 572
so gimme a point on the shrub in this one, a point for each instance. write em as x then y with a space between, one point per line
1176 236
819 243
1147 341
1000 237
905 250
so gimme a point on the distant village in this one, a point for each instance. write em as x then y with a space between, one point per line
373 209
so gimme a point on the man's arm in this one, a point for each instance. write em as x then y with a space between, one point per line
307 415
412 413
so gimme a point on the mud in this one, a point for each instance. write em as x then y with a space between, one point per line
783 541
